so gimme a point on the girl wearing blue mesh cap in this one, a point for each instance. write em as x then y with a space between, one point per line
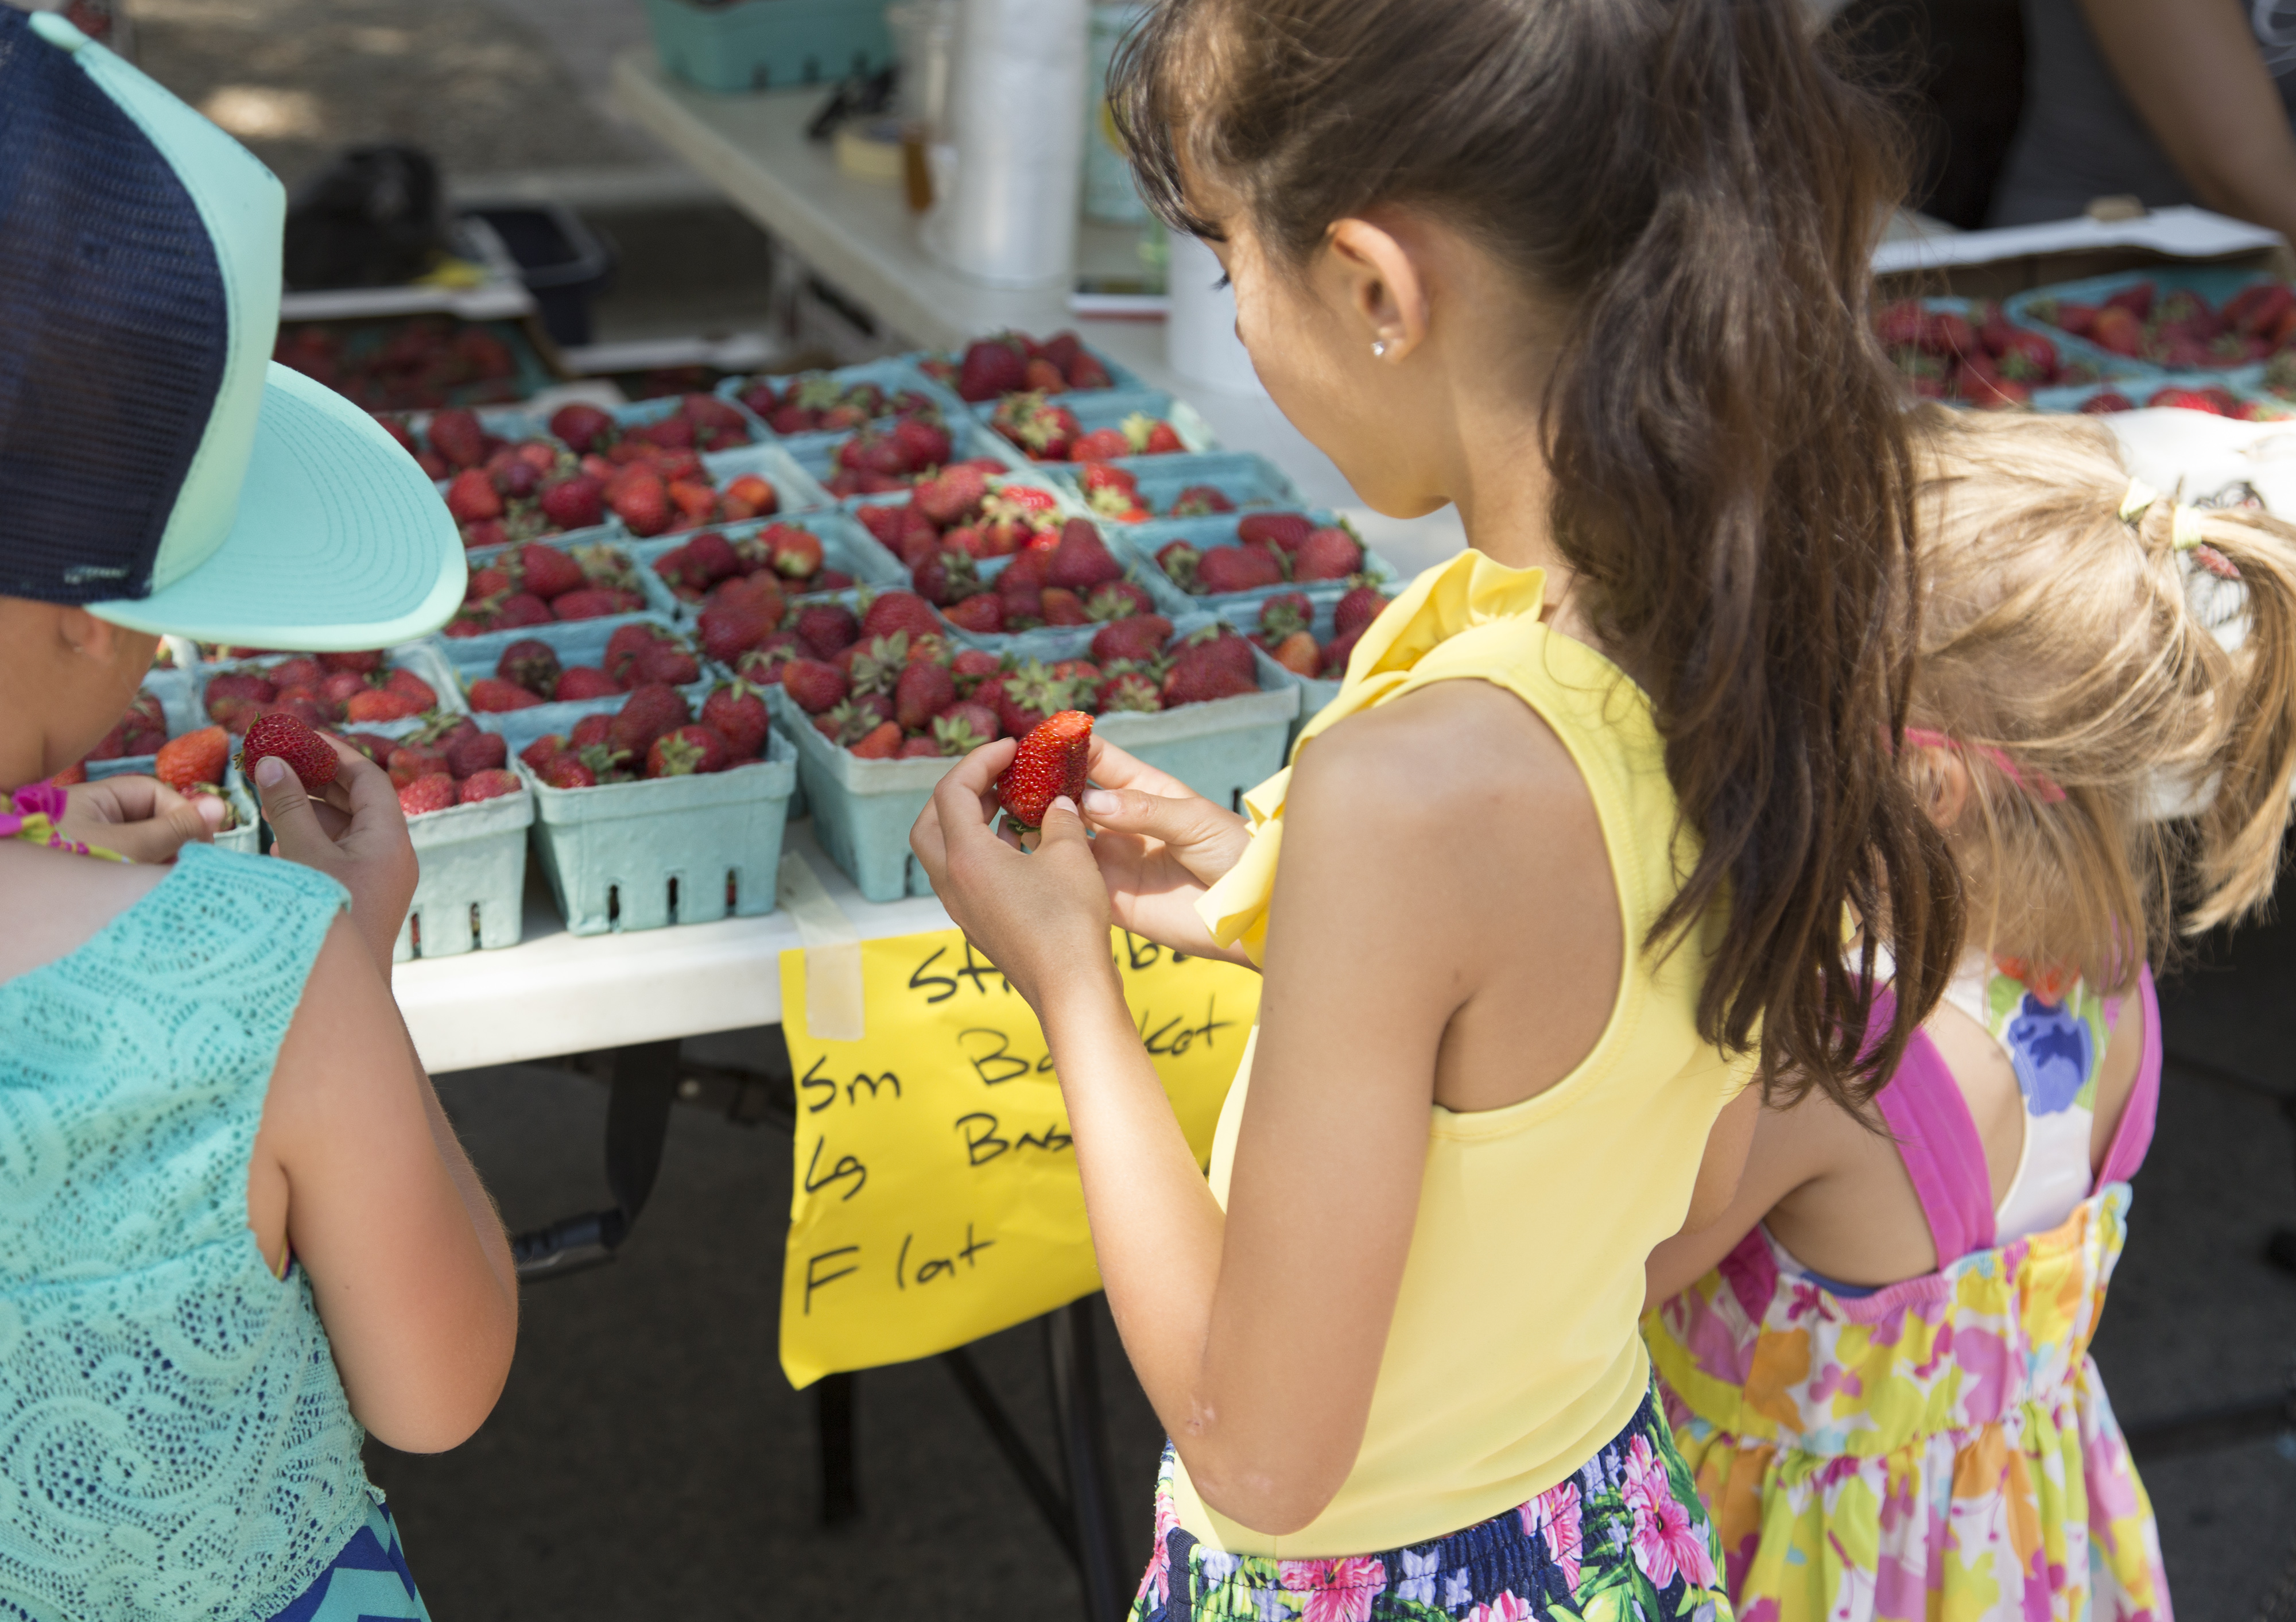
236 1233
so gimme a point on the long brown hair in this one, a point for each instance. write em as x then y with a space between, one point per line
1700 190
2128 769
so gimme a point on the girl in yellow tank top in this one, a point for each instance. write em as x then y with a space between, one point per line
1565 865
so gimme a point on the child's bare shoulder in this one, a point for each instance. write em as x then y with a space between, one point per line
1447 749
52 904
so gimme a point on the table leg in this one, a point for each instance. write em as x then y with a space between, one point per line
1084 1452
637 1124
841 1486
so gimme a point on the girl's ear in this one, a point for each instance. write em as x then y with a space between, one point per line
1381 287
1941 782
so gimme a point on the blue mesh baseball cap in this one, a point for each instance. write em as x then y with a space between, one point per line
156 466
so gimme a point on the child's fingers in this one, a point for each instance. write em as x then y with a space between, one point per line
295 830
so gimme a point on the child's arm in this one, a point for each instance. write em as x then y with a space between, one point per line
1783 1154
1257 1332
406 1258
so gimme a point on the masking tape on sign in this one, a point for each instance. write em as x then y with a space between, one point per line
834 1008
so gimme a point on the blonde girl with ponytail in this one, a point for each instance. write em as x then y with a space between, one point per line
1877 1360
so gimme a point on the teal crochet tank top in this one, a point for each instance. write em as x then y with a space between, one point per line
173 1439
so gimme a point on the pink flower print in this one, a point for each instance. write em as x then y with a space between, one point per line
1666 1544
1645 1476
1764 1610
1553 1515
1506 1607
1158 1576
1337 1590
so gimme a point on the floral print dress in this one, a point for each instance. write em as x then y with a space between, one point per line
1943 1447
1625 1539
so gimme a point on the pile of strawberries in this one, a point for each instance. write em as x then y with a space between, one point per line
140 731
640 654
654 735
1014 363
876 462
447 763
1113 492
1074 581
1048 432
500 492
419 364
890 694
2213 398
2180 329
965 508
817 403
1271 549
651 477
1988 362
1287 630
791 552
320 690
537 584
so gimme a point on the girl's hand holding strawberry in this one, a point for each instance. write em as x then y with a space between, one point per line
1040 915
1159 845
352 830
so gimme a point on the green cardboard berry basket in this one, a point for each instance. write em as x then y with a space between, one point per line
894 374
1315 691
420 657
2216 284
969 440
488 645
769 44
845 546
471 894
648 854
1137 544
863 809
1121 378
576 642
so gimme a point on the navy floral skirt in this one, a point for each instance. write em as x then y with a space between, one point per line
1624 1540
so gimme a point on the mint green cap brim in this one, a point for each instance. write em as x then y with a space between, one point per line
340 541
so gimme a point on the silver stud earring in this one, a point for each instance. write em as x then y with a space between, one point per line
1379 348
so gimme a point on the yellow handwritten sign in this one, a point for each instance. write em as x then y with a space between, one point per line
935 1197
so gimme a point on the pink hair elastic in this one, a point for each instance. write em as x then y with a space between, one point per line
2035 783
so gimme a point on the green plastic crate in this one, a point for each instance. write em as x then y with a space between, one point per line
644 855
472 895
770 44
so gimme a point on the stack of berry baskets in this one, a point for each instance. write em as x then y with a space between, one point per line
802 408
1310 641
402 707
1231 564
2172 319
659 796
2237 395
1014 363
882 704
1969 352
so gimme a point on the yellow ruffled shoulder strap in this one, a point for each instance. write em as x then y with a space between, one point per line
1467 591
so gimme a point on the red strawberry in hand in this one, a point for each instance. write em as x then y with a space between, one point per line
1049 763
196 757
306 754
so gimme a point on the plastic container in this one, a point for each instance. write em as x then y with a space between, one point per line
863 809
471 894
845 546
1138 543
894 375
2215 284
647 855
796 488
769 44
420 657
563 263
